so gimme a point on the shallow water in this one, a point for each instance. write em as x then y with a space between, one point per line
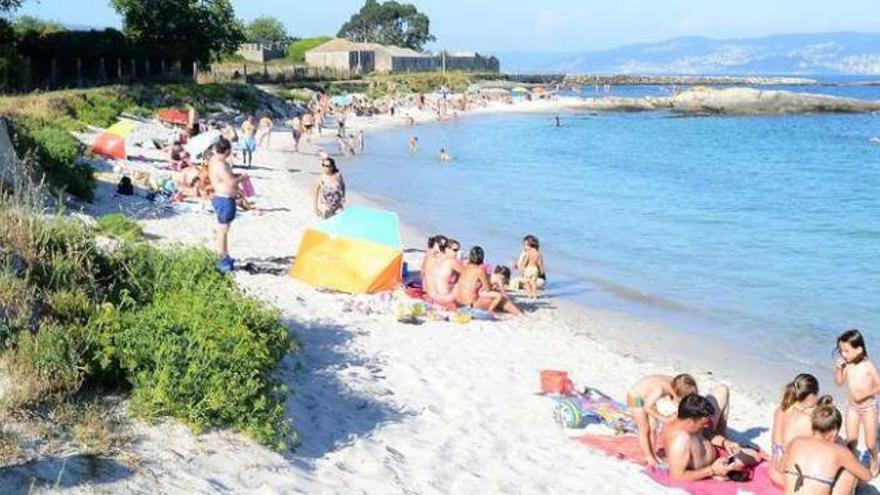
762 231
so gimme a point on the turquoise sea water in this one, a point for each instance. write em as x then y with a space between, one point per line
761 231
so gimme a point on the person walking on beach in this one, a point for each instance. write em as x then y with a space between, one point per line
329 192
308 122
249 143
225 189
266 126
297 130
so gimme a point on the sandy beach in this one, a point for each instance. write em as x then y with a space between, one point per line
386 407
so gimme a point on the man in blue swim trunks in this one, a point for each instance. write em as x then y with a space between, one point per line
225 188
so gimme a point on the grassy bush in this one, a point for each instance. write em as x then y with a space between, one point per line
120 227
53 151
167 325
420 82
296 51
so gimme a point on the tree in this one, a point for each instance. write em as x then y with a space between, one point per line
196 29
27 24
296 51
266 28
389 23
10 5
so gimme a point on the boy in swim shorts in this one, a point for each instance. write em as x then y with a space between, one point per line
225 189
641 400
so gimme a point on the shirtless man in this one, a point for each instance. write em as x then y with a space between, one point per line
693 452
225 187
642 401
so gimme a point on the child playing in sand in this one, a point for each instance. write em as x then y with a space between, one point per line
642 401
863 383
531 266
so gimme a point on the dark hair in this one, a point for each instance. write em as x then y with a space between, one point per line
684 385
826 417
433 240
453 241
694 406
222 146
476 256
503 271
855 340
531 241
799 389
332 164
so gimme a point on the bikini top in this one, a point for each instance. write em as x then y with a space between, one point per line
799 482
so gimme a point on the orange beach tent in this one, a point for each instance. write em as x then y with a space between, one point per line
112 142
357 251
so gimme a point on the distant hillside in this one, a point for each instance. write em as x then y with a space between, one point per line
815 54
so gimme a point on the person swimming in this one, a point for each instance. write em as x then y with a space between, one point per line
413 143
444 156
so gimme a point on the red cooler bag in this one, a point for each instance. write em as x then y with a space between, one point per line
555 382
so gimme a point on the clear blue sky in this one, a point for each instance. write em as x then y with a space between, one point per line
543 25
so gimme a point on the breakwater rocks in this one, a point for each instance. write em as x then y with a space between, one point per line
634 80
733 101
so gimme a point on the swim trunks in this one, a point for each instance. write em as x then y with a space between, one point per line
250 144
225 209
864 407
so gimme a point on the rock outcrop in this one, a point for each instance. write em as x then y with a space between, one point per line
734 101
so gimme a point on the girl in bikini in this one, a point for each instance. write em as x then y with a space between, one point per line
474 289
863 383
793 419
816 464
531 265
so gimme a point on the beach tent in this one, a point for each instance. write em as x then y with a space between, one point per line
173 116
357 251
111 143
200 143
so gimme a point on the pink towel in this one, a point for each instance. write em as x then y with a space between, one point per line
246 186
626 447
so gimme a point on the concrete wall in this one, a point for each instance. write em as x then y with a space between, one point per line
262 52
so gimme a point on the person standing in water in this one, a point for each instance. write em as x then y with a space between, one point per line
225 188
413 144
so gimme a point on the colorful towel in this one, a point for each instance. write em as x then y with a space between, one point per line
626 447
577 411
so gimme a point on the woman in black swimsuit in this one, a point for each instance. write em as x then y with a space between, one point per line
818 464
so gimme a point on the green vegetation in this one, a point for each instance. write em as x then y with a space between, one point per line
191 29
296 52
389 23
266 28
121 227
28 23
164 324
50 152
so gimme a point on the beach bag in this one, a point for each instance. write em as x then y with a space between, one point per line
246 186
555 382
125 187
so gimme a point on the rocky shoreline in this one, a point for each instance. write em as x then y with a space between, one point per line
731 101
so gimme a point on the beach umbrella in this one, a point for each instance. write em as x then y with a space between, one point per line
111 143
342 100
198 144
173 116
358 251
520 89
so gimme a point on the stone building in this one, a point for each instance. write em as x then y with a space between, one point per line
345 55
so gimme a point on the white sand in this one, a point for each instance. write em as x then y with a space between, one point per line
384 407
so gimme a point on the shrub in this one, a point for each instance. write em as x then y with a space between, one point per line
197 340
53 151
165 324
10 447
120 227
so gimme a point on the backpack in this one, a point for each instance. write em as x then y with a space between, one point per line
125 186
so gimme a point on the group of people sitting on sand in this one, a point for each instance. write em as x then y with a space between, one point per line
453 281
808 456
